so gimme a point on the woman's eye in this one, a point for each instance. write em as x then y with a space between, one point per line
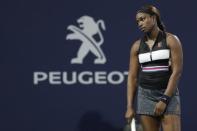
140 19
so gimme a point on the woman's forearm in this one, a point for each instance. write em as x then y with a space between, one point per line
172 83
131 91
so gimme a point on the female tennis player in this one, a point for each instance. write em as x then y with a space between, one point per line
154 71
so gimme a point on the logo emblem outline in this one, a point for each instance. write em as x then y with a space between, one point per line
86 31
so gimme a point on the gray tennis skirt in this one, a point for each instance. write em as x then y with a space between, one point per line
147 99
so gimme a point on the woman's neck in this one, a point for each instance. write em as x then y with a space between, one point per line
152 35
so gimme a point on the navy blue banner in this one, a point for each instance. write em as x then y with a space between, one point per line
64 64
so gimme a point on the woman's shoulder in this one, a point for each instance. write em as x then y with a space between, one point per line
135 46
172 38
137 42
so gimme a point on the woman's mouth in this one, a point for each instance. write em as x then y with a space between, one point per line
142 28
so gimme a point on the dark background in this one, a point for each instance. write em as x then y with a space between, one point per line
33 38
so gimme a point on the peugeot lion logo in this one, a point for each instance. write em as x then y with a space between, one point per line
86 31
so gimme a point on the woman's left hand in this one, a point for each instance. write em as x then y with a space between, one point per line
159 108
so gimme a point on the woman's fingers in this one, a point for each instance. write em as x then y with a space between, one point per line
158 110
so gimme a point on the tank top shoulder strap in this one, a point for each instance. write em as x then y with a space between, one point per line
164 41
142 39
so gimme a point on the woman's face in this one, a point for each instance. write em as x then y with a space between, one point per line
145 22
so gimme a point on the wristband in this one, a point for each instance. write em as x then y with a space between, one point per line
165 99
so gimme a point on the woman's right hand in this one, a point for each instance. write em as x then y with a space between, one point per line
130 113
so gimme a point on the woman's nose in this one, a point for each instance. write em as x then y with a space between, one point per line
140 24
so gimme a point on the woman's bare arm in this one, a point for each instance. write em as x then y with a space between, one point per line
133 73
176 62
